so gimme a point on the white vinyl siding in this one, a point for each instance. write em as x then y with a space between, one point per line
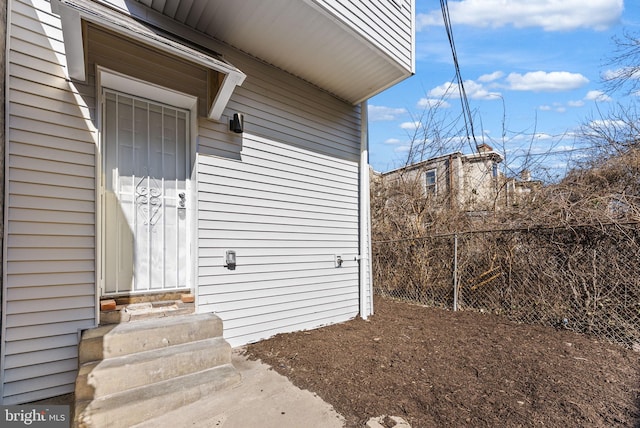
281 107
284 196
385 23
286 220
50 265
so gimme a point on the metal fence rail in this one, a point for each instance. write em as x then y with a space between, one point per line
584 278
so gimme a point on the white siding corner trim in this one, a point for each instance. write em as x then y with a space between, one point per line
366 277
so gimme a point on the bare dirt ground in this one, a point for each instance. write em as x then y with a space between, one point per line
438 368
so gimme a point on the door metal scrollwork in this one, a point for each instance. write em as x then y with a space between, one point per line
148 201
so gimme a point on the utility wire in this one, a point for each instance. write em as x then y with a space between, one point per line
466 110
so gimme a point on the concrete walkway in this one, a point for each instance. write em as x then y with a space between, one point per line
264 399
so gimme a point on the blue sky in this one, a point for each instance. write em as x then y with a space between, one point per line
532 73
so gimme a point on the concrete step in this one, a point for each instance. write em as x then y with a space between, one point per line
144 310
115 340
101 378
133 406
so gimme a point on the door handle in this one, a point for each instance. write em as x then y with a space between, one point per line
182 203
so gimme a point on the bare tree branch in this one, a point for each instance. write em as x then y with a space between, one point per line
625 63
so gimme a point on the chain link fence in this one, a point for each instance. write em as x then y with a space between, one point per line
586 278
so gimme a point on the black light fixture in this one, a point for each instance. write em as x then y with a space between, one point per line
236 124
230 259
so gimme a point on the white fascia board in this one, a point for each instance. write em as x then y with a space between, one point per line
404 73
403 76
72 12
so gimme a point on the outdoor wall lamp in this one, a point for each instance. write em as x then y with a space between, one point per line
230 260
236 124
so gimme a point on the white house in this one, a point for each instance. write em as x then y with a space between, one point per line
126 172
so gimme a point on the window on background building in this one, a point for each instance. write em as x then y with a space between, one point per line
431 182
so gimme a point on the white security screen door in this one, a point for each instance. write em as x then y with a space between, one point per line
145 146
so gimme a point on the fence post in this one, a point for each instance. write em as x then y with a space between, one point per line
455 272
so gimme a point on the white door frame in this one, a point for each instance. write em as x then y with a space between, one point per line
119 82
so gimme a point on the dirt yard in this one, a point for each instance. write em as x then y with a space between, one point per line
438 368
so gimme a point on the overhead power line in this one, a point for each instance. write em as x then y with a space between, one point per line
466 110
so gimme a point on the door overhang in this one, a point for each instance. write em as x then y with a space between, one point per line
73 12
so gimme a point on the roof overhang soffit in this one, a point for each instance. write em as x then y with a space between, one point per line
72 12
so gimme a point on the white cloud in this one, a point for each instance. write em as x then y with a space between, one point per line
431 19
478 92
402 149
621 73
557 107
598 96
382 113
474 90
550 15
543 136
446 90
564 148
542 81
433 103
607 123
398 146
593 95
410 125
539 136
612 74
485 78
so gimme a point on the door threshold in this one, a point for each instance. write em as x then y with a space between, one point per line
123 309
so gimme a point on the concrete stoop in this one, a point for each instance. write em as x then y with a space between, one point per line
132 371
136 311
